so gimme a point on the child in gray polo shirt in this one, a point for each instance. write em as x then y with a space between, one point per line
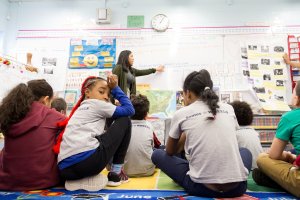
138 158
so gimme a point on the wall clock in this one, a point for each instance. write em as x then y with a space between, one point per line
160 22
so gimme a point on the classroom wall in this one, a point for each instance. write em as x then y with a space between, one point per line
4 8
58 14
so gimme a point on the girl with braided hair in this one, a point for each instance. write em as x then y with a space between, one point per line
215 167
84 147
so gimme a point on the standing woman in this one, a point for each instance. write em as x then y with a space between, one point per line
126 73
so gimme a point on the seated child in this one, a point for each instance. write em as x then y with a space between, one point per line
246 135
274 167
215 166
138 157
27 161
60 105
86 148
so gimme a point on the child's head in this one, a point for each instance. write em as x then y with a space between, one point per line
60 105
296 95
95 88
198 85
125 59
243 112
17 103
141 106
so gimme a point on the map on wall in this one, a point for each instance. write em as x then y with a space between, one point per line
162 102
92 53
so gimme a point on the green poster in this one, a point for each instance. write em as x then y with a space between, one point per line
135 21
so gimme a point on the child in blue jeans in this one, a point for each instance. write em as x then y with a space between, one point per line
215 167
86 148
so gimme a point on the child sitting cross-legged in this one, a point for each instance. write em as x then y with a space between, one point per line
138 158
247 137
27 161
215 166
86 148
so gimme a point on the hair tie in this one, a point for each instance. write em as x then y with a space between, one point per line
207 88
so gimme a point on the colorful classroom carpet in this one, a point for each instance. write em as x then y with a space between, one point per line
158 186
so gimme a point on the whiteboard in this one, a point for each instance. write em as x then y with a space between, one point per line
180 54
181 51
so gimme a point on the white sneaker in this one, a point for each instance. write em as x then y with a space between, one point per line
91 183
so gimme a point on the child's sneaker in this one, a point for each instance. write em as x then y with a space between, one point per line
91 183
115 179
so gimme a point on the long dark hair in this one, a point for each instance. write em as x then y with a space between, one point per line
123 60
201 85
17 103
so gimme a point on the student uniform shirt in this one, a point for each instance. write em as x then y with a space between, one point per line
248 138
138 158
86 123
288 128
211 145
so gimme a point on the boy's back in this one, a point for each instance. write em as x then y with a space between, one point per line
248 138
138 158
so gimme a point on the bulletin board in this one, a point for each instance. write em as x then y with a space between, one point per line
217 49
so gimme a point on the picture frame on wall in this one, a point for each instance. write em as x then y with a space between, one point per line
71 97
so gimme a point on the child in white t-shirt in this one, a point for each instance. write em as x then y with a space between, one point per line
86 148
138 157
246 135
215 166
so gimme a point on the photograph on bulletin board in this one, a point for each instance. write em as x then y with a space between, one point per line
92 53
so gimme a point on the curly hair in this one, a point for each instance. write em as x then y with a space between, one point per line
243 112
17 103
141 106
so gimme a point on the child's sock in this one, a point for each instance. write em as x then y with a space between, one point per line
116 168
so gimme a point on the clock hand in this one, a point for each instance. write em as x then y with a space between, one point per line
161 20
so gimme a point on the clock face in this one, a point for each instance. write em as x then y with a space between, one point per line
160 22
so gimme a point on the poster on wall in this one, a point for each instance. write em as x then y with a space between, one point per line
49 55
269 75
92 53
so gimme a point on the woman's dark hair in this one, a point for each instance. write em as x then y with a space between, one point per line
17 103
201 85
243 112
123 60
141 106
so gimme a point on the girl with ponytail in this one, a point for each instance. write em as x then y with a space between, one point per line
27 161
84 147
215 166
